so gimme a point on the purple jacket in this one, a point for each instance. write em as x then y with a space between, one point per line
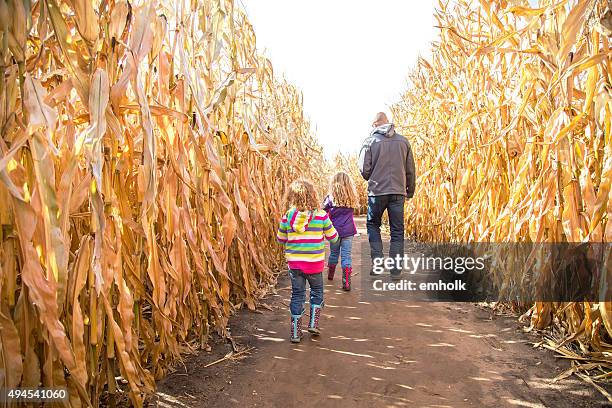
341 217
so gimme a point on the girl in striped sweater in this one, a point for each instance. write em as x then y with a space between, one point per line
303 231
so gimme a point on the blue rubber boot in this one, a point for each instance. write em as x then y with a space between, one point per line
313 323
296 328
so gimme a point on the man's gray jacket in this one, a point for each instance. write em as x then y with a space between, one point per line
386 162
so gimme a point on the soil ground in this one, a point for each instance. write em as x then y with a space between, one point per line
376 354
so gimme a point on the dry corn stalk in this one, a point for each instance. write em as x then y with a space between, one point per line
510 120
145 148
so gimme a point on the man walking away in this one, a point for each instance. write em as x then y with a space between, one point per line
386 162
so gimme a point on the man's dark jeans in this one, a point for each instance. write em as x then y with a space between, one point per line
394 204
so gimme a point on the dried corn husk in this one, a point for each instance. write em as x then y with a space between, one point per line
145 150
510 121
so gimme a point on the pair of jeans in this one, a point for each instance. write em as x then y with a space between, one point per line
341 249
298 290
394 205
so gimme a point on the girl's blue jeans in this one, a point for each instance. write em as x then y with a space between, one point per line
341 249
298 290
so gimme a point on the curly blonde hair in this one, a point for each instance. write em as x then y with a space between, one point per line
302 195
343 191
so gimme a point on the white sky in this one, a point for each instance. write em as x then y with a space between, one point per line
350 58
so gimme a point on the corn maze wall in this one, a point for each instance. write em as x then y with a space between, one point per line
510 121
145 148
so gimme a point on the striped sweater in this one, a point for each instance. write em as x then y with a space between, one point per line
303 233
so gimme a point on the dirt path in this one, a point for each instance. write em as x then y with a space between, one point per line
376 354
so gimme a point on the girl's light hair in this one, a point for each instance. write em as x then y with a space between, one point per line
302 195
343 191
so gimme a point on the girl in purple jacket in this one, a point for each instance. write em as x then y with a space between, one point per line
340 204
